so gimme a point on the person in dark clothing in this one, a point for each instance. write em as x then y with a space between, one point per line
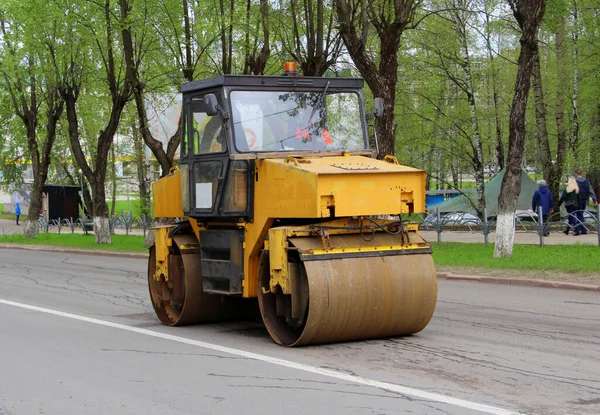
585 192
570 197
543 198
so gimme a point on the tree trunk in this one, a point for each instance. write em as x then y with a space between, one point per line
575 137
164 158
35 206
594 174
477 158
552 168
256 61
556 168
102 229
226 34
499 144
528 14
120 92
354 24
41 162
317 45
113 166
540 117
26 107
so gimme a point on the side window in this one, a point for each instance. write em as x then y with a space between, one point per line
208 132
236 188
185 143
206 183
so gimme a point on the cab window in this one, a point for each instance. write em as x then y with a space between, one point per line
208 132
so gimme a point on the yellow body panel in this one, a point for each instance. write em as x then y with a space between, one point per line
354 185
167 196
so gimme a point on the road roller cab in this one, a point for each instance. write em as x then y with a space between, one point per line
279 197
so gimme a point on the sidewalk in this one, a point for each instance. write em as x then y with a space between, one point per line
8 227
521 237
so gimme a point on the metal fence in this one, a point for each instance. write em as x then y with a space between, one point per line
525 221
123 220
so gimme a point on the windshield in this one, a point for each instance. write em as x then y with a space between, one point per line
305 121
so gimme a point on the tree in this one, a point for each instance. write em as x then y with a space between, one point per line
493 70
380 71
454 60
34 96
95 37
313 41
552 162
135 57
528 14
257 52
160 56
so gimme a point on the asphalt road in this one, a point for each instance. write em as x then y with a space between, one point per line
78 336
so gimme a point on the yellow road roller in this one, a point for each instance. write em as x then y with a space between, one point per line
279 198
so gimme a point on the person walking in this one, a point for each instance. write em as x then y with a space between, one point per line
17 212
585 192
570 197
543 198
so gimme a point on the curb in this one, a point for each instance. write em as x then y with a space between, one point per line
519 282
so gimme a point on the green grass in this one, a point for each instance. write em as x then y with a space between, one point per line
562 258
4 215
124 206
119 243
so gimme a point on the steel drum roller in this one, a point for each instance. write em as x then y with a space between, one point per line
358 298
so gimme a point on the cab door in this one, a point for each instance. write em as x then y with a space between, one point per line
219 188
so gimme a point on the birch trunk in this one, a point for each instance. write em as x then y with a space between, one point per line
498 124
102 230
528 14
556 168
575 138
477 158
540 117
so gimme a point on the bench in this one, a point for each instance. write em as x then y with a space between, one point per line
87 225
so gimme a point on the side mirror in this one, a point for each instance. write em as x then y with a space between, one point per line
378 107
211 105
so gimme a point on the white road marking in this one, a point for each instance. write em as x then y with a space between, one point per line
404 390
